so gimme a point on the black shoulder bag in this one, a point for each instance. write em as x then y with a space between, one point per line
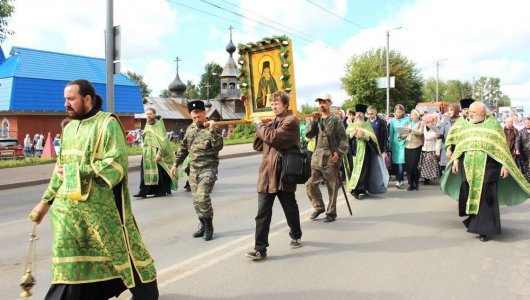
295 166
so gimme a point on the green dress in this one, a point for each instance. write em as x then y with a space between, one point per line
91 243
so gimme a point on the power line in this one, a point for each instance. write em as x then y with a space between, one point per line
296 37
275 22
334 14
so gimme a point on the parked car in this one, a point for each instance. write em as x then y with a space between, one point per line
10 148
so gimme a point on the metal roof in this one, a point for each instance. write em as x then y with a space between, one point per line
167 108
37 79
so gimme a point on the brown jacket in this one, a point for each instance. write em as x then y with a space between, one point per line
273 141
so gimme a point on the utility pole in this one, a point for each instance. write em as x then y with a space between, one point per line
109 55
208 91
437 68
388 69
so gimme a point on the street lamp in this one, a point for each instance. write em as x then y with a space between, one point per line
437 67
388 69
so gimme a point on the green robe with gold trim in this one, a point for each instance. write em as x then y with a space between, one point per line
90 241
156 143
378 174
477 142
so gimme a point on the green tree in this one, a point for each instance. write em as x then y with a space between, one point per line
165 93
363 70
6 10
429 90
457 90
488 90
448 91
307 109
210 78
504 101
191 90
139 79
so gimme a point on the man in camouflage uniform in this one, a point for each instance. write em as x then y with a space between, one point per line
325 162
202 142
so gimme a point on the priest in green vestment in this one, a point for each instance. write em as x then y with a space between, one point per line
97 249
369 173
481 173
157 159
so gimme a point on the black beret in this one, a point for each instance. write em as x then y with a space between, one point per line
466 103
361 108
197 104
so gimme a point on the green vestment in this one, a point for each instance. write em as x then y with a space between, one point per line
156 143
476 142
90 241
378 180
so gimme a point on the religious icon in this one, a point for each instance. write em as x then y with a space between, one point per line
265 67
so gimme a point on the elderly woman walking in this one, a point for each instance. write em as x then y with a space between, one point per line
413 144
430 151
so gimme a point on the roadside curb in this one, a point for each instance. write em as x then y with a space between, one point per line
131 169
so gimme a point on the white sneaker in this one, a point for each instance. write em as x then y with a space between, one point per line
399 184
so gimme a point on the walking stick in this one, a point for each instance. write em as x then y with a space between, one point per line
345 195
340 180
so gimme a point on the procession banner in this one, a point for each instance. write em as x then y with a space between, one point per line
265 67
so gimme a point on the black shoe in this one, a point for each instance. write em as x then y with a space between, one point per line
169 193
200 230
315 214
140 195
427 181
357 195
256 255
484 238
208 229
160 195
329 218
410 188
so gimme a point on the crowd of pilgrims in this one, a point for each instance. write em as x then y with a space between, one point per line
421 155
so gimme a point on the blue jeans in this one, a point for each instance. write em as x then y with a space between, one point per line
400 168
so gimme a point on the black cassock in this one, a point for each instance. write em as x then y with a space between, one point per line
488 220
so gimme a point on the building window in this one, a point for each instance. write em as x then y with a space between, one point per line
232 86
224 86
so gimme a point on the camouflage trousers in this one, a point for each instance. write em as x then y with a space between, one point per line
202 181
330 175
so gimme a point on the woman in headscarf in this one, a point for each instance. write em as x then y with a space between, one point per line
453 112
413 144
430 152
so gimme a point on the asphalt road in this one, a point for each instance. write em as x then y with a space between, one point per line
403 245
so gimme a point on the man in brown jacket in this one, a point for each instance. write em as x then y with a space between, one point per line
273 139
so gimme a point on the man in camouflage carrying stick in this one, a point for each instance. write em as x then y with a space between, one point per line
326 158
202 142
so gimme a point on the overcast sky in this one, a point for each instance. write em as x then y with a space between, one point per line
469 38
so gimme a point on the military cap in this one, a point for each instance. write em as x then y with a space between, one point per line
193 105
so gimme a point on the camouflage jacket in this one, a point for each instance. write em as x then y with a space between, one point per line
322 128
202 145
